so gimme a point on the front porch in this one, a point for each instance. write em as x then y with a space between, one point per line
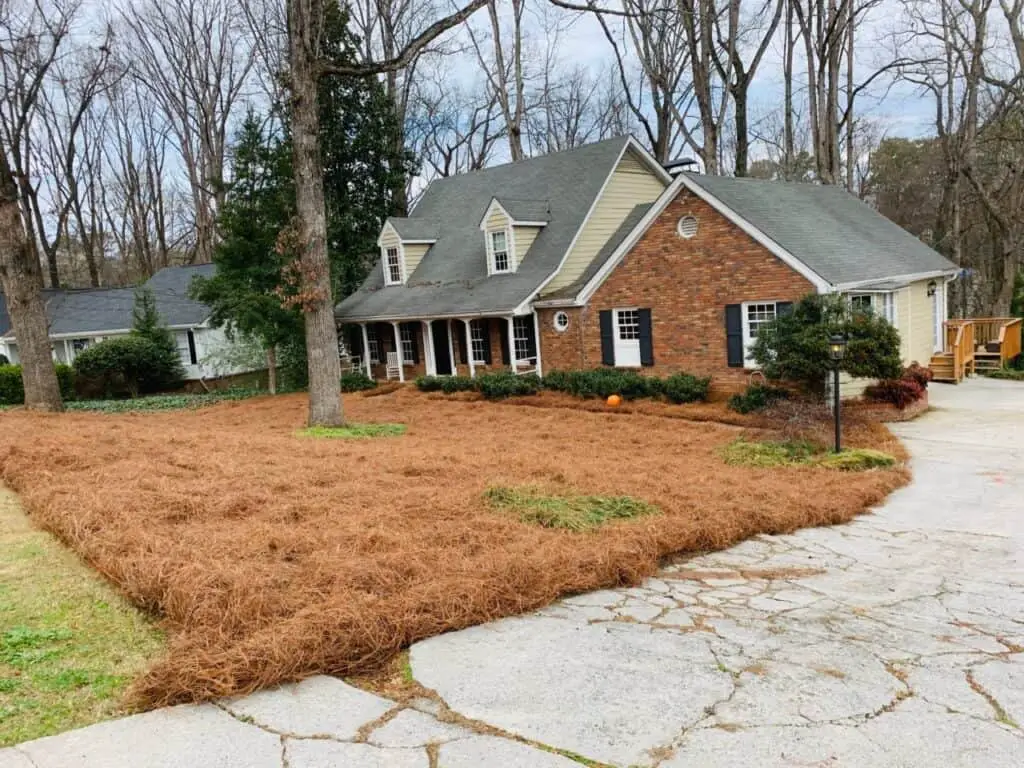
976 344
401 350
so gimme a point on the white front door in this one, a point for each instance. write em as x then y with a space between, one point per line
939 313
627 338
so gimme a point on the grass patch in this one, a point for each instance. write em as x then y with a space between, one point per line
570 513
354 431
798 453
69 645
162 402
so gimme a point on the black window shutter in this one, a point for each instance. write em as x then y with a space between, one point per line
355 340
485 329
783 308
646 340
607 338
504 343
531 338
734 334
460 336
192 347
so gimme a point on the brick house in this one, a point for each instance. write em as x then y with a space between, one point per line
597 256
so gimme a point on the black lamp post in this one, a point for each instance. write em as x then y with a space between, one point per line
837 350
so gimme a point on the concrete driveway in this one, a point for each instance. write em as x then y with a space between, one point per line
895 640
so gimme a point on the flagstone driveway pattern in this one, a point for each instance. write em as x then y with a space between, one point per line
896 640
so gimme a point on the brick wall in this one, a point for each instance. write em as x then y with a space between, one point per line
686 284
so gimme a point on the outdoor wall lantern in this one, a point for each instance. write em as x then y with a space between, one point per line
932 286
837 351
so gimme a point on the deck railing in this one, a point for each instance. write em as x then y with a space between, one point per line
1003 332
960 342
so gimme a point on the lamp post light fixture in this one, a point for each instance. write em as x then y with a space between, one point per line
837 351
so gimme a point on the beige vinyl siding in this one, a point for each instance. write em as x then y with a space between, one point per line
389 238
631 184
496 221
903 324
850 386
414 253
524 237
918 334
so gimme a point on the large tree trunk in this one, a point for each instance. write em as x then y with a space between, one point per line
304 19
21 280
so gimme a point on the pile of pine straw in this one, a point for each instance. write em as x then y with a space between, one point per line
272 557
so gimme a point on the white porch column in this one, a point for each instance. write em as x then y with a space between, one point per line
512 342
67 351
536 339
451 348
469 350
366 351
398 350
428 349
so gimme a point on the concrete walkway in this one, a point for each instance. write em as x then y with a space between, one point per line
896 640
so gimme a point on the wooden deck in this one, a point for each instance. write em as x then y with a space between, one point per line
977 344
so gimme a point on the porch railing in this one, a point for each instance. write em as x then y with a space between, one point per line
1001 332
960 342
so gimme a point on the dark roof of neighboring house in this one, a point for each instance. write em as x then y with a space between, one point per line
836 235
452 277
95 310
628 225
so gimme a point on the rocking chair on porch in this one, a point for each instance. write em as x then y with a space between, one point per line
393 369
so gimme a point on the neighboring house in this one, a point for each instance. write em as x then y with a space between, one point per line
596 256
79 318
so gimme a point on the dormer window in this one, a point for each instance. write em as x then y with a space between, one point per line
499 252
392 265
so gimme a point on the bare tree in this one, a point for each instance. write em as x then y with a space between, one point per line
34 37
307 64
195 57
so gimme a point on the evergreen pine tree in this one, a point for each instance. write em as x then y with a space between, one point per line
167 372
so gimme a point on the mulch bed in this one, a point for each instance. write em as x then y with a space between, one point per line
273 557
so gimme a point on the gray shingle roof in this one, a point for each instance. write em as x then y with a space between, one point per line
170 287
452 277
414 229
620 234
836 235
526 210
94 310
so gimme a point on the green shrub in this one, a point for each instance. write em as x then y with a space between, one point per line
795 347
429 383
602 383
757 397
898 392
124 365
684 388
165 371
66 381
4 360
12 392
452 384
292 367
356 381
856 460
496 386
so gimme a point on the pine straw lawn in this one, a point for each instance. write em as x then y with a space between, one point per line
273 557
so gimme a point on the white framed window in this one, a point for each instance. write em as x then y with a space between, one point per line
392 265
521 327
755 316
373 342
561 321
500 256
478 341
408 343
881 304
626 337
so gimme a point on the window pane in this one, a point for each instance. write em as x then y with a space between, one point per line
629 324
407 343
478 340
373 343
758 315
499 247
394 266
521 336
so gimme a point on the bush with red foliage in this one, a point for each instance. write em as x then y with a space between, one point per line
899 392
919 373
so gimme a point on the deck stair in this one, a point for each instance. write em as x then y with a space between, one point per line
977 344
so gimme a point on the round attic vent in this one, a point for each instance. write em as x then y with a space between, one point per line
687 227
561 321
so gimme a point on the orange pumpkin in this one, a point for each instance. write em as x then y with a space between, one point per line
614 401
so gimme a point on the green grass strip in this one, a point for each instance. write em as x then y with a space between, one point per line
795 453
354 431
566 512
